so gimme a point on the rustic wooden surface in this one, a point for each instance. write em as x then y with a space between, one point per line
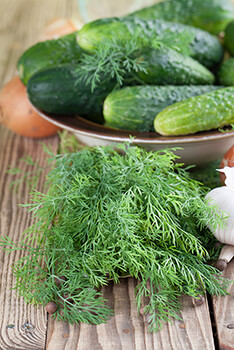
24 327
224 314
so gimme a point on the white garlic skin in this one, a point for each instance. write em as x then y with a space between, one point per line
223 197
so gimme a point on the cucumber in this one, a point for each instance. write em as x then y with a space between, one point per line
229 38
167 66
200 113
203 46
226 73
56 91
135 107
210 15
47 54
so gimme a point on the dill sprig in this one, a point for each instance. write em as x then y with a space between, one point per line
31 176
111 212
113 60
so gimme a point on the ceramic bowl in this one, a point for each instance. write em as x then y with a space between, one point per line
197 149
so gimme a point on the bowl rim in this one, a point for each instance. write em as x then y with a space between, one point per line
85 127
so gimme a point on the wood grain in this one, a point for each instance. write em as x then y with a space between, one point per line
22 23
224 313
128 330
24 327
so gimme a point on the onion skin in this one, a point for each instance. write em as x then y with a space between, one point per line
17 114
58 27
228 160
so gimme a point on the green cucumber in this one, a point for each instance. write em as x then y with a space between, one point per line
202 46
135 107
47 54
167 66
210 15
200 113
56 91
229 38
226 72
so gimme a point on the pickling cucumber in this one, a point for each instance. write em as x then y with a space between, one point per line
226 72
167 66
47 54
200 113
210 15
56 91
135 107
202 46
229 38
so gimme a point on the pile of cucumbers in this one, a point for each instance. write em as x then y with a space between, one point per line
179 93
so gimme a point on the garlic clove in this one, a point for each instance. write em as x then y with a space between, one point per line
229 173
226 255
223 199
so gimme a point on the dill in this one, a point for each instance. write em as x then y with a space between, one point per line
111 212
114 60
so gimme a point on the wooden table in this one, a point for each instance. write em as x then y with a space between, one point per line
24 327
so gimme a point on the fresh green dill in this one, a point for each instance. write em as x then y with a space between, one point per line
180 42
68 142
111 212
114 59
30 177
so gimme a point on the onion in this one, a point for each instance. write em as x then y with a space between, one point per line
17 114
58 27
227 160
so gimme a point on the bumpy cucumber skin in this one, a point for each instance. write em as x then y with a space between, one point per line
210 15
135 107
226 73
204 47
56 91
229 38
200 113
166 66
48 54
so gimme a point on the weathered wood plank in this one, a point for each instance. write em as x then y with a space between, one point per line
128 330
21 24
224 313
22 326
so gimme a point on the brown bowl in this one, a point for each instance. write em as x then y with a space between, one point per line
197 149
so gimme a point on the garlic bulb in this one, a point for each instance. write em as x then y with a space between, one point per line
223 198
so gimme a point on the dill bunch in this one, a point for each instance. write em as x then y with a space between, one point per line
111 212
